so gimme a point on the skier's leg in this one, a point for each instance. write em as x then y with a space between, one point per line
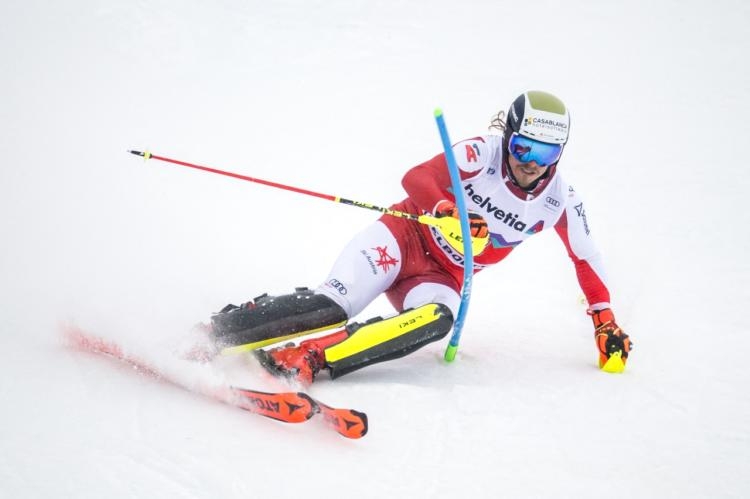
360 344
365 268
431 292
270 319
428 312
376 340
379 340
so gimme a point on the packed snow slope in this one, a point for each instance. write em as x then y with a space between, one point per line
337 96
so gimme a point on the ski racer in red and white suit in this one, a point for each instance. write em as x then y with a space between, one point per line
512 191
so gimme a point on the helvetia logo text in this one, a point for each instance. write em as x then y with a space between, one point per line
508 218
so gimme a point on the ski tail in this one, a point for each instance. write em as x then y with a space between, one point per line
77 338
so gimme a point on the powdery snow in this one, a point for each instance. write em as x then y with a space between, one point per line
337 97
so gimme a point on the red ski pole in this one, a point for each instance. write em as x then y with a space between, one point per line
427 219
449 226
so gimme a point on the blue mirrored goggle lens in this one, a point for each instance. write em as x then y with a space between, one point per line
527 150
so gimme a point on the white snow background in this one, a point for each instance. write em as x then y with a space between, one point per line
337 96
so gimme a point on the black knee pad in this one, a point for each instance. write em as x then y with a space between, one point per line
267 317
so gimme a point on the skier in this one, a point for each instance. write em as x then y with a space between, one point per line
512 190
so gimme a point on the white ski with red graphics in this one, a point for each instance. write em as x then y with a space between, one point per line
289 407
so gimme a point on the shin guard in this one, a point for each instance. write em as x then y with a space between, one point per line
379 340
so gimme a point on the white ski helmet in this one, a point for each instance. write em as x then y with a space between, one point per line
540 116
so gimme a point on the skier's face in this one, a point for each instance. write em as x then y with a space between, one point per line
525 173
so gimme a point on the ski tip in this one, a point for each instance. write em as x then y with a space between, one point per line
438 112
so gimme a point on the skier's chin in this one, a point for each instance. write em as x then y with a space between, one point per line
525 179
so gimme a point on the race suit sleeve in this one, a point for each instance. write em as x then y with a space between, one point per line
573 229
428 183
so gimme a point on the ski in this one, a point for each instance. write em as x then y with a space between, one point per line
289 407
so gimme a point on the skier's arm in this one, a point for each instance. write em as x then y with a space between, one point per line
612 342
428 183
572 227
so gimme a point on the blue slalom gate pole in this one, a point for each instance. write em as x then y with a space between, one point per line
452 348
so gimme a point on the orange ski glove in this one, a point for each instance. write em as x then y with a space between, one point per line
612 342
477 224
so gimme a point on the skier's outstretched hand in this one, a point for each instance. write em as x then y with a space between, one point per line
612 342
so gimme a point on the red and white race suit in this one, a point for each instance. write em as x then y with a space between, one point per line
414 265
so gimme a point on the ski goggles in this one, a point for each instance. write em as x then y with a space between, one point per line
527 150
